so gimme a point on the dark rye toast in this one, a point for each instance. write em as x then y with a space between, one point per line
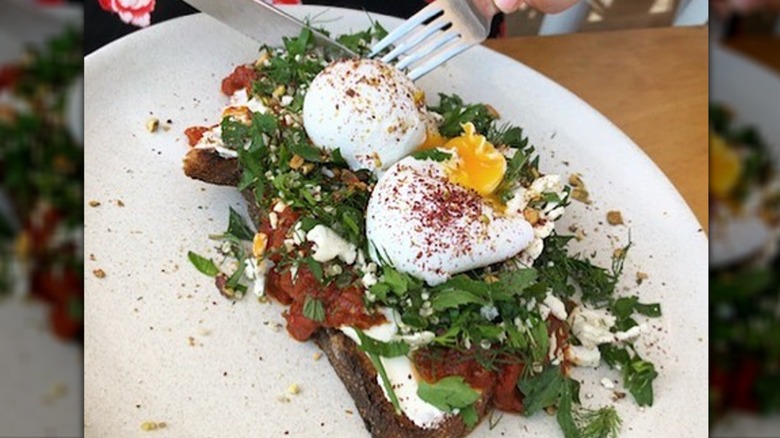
351 364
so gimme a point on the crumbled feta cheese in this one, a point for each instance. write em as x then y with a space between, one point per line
629 335
273 219
280 206
557 308
328 245
605 382
489 312
591 326
417 340
298 236
286 100
257 271
583 356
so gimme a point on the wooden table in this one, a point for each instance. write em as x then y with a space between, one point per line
763 49
652 83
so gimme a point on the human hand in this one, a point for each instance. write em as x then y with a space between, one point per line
547 6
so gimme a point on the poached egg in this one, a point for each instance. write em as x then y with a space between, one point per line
371 111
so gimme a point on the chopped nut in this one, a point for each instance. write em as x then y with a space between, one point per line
490 279
239 113
317 356
296 162
579 193
191 341
293 389
152 124
531 215
307 168
94 203
618 395
99 273
119 203
614 218
148 426
279 91
265 56
259 244
492 111
640 277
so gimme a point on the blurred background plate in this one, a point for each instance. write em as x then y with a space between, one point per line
41 390
752 91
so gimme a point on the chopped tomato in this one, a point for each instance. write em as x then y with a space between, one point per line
507 397
194 134
242 77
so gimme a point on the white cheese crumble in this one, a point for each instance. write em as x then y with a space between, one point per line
556 306
328 245
591 326
605 382
583 356
257 271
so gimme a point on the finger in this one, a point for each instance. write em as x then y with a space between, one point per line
508 6
551 6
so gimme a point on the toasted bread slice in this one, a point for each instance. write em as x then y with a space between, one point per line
208 166
359 376
351 364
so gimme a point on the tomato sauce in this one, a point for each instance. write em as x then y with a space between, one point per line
242 77
342 305
194 134
433 364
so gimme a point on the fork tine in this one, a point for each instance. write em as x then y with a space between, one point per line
427 49
399 32
415 40
436 61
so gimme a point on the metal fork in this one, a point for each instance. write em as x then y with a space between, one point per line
450 27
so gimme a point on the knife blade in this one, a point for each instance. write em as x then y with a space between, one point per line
258 19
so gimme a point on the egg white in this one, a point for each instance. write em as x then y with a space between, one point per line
424 225
366 109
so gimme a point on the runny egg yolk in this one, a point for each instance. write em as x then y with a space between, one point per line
725 167
480 166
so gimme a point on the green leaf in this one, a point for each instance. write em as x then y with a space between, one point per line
542 390
568 397
202 264
238 228
395 280
235 134
307 152
624 308
448 393
314 309
638 374
513 283
380 291
381 348
453 298
478 288
469 416
540 341
432 154
638 378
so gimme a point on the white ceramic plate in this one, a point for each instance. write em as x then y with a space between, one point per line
752 91
139 364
